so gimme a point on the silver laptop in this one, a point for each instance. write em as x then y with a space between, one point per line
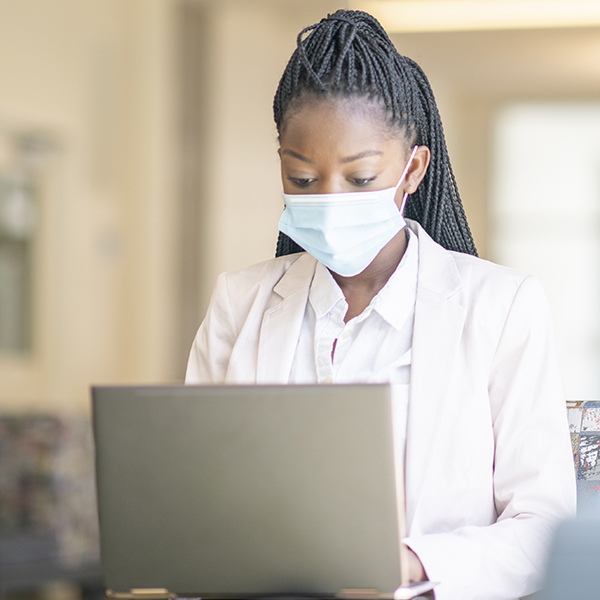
248 491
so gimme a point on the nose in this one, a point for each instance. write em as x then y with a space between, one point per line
332 185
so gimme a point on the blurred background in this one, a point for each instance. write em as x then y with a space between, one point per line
138 161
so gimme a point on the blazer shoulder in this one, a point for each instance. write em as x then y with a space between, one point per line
481 273
268 274
492 289
449 272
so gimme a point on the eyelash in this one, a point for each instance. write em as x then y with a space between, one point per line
300 182
305 182
363 181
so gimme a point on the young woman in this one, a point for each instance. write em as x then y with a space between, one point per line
359 294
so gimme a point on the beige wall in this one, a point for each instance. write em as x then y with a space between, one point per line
101 79
474 73
95 76
142 173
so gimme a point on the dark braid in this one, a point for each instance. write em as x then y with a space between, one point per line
350 54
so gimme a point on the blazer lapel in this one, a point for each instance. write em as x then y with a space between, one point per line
280 328
439 321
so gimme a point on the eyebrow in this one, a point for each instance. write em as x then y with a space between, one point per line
298 156
348 159
361 155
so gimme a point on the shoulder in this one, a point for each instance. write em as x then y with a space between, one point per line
286 273
240 298
274 267
487 278
484 275
473 281
495 294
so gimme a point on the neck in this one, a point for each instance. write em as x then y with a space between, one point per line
362 288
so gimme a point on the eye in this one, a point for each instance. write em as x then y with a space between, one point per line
362 181
301 182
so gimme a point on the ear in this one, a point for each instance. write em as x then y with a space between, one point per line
417 170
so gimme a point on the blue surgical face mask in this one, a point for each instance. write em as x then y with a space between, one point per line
345 231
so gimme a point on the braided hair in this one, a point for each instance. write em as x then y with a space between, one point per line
350 54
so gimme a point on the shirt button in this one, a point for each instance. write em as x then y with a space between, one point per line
347 333
328 380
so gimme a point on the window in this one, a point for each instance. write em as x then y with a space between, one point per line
17 224
545 220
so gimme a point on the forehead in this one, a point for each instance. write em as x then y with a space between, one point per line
342 125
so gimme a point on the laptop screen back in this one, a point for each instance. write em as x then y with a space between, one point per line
247 490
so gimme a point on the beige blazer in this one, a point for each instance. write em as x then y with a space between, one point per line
489 469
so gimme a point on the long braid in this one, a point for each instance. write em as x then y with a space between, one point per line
350 54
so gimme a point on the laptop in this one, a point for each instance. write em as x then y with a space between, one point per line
249 492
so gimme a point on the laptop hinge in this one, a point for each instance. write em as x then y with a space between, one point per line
356 593
141 594
151 593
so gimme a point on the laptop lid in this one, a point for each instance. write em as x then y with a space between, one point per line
247 491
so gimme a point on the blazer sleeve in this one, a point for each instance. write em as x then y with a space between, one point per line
211 350
533 477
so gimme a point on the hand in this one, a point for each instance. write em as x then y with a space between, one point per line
416 572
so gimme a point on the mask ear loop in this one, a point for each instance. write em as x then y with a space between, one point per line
403 176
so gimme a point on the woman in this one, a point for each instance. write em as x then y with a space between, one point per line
488 463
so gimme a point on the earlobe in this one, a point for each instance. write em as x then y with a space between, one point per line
422 160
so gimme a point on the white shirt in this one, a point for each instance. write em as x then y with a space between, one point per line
373 347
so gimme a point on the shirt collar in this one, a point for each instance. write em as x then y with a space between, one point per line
325 293
395 300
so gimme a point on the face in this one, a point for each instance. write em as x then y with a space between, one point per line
345 145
